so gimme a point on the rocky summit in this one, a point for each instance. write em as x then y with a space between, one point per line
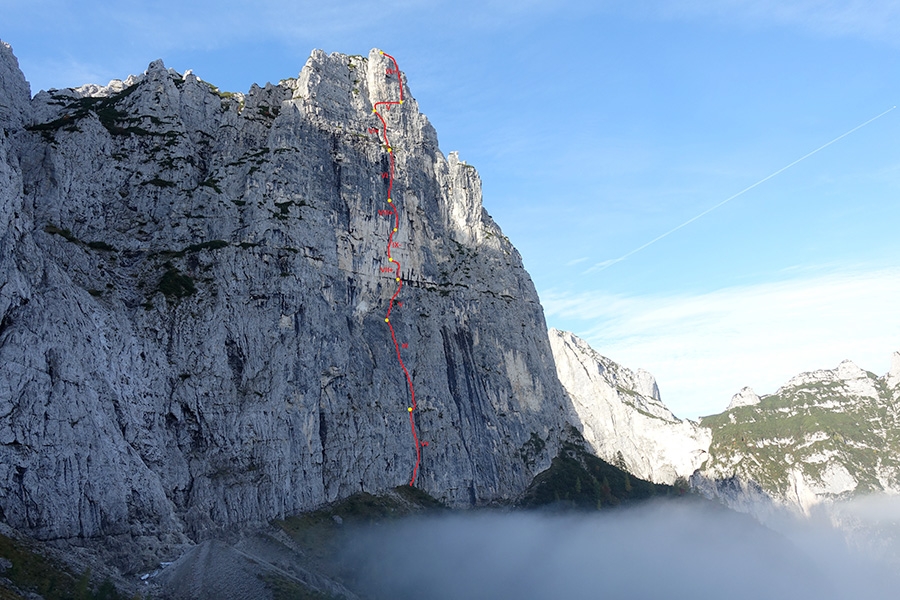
192 309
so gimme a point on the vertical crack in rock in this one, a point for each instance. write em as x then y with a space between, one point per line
235 361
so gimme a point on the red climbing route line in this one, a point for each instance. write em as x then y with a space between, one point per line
396 215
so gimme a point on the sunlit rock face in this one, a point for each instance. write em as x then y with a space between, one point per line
745 397
192 307
622 416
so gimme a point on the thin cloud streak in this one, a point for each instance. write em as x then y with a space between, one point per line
703 348
608 263
576 261
66 73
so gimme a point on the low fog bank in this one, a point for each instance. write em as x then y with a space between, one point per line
675 550
871 525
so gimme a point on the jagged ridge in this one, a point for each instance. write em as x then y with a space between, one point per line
824 435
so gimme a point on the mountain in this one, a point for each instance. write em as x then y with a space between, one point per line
193 305
823 436
822 452
745 397
622 417
211 322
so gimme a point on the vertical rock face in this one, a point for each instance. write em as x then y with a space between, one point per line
16 91
192 307
15 96
622 415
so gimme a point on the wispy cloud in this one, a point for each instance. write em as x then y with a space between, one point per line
576 261
141 32
47 73
703 348
604 264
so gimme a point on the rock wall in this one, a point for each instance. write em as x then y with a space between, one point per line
192 307
621 415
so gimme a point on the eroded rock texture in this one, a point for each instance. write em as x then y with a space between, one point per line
192 307
620 413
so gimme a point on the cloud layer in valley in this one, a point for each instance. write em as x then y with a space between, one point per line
667 550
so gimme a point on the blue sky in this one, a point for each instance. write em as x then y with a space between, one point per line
596 127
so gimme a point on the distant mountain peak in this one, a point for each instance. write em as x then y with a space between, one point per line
892 378
848 370
745 397
825 435
847 378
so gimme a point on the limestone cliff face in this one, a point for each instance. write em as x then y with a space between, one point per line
622 416
192 307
